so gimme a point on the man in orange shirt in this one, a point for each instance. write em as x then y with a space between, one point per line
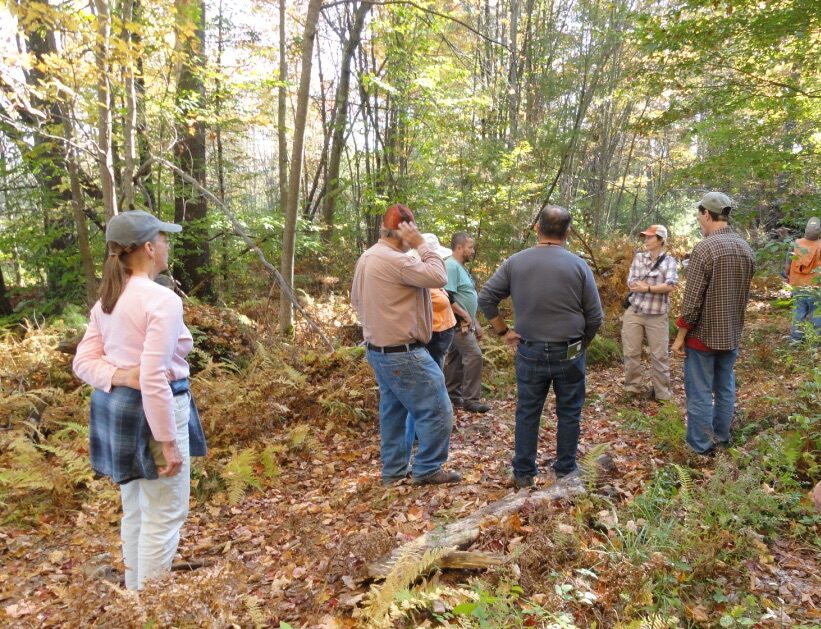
803 270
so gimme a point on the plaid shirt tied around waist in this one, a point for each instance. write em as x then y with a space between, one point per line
120 435
642 270
717 289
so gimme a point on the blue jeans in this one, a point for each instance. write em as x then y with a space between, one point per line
537 366
437 348
805 306
439 345
411 383
709 383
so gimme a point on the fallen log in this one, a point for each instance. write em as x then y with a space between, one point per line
470 560
464 532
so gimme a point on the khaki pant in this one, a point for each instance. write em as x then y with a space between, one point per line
633 331
463 367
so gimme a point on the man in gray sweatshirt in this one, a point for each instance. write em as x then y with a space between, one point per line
558 311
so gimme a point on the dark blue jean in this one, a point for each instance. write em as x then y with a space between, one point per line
538 365
805 307
410 383
437 348
439 345
709 383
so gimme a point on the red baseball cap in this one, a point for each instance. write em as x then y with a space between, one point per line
655 230
395 214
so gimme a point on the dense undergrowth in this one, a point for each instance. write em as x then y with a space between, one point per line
691 548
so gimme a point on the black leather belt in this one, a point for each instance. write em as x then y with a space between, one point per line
393 349
550 344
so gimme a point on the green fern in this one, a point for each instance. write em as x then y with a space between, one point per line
658 622
239 475
269 462
72 429
27 478
380 604
589 464
254 606
687 489
298 436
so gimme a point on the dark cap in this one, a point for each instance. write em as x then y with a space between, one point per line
136 227
396 214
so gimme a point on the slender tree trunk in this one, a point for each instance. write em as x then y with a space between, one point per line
340 121
282 96
130 122
77 205
5 303
289 234
220 151
513 76
105 154
190 207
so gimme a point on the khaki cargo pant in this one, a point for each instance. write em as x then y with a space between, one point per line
635 327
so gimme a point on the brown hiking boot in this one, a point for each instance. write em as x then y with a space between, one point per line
440 477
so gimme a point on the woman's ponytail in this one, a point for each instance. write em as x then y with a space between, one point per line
115 276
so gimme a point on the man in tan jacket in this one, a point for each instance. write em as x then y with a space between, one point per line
391 295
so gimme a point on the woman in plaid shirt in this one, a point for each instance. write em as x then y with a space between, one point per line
652 278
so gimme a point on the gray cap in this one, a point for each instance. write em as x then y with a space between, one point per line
814 224
716 202
136 227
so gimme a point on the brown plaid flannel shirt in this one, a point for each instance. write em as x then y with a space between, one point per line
718 286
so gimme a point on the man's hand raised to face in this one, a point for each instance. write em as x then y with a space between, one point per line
410 235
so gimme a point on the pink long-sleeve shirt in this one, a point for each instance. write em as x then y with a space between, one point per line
145 329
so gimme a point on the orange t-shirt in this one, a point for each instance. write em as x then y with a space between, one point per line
806 259
443 317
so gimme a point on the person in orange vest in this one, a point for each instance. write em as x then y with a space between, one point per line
803 269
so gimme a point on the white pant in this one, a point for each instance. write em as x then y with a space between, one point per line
154 512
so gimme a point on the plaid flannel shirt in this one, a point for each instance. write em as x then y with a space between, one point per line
640 270
717 289
119 434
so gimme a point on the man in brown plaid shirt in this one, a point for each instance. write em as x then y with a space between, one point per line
715 300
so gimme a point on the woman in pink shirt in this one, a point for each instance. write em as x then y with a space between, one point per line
144 426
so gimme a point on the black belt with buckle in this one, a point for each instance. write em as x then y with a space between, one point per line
550 344
393 349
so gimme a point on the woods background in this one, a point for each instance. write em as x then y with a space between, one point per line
307 118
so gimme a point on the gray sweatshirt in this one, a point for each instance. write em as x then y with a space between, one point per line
554 295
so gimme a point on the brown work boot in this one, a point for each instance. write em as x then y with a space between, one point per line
440 477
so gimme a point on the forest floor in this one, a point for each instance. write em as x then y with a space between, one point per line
288 508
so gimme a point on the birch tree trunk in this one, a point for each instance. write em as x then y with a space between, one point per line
289 235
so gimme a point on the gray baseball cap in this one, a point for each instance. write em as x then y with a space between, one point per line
716 202
136 227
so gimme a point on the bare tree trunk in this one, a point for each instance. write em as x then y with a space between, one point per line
190 206
513 77
340 121
77 205
218 130
289 234
105 154
130 122
5 304
282 95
